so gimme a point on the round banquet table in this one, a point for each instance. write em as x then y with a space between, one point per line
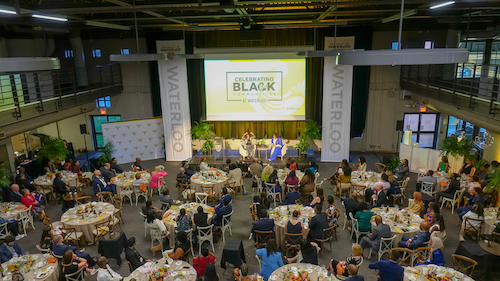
124 180
418 273
191 208
10 210
314 272
400 229
282 174
173 269
365 179
493 248
282 214
38 267
490 220
86 225
68 177
201 179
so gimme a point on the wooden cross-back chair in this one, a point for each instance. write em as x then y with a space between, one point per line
101 229
326 236
231 189
82 200
292 241
471 228
72 236
459 261
406 257
105 196
185 256
421 253
379 167
261 238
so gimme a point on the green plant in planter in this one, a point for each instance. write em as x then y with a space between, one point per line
262 143
107 151
480 163
312 131
493 184
52 149
5 174
452 146
302 146
392 164
203 130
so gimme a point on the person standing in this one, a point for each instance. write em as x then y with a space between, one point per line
246 141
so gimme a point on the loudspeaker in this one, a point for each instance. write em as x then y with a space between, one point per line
83 129
399 125
254 33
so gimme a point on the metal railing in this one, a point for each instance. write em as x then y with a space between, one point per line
28 94
470 86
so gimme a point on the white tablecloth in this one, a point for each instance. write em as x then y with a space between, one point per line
282 214
11 210
176 270
398 228
38 266
418 273
314 272
71 218
490 220
124 180
198 179
68 177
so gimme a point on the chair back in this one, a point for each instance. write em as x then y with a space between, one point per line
405 182
261 238
129 265
259 259
421 253
4 231
143 215
68 234
117 201
385 245
406 257
165 206
185 256
328 233
457 197
464 264
102 228
79 275
82 200
204 233
473 226
270 188
428 188
201 197
42 250
226 219
379 167
290 187
208 189
105 196
293 239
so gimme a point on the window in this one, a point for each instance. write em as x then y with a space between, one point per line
424 127
11 91
103 102
470 69
429 45
68 53
125 51
97 121
473 133
96 53
394 45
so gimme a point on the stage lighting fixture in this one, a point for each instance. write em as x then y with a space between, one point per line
246 23
441 5
49 18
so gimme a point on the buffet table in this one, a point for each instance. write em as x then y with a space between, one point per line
84 217
402 222
174 270
282 214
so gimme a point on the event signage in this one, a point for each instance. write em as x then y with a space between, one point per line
337 98
175 101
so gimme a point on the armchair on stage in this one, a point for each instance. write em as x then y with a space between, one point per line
243 151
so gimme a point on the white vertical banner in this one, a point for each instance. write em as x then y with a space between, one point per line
337 98
175 101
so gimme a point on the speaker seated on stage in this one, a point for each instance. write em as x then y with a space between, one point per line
60 186
100 185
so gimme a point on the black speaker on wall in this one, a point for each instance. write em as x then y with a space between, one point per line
83 129
399 125
254 33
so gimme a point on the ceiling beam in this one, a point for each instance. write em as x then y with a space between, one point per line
326 13
398 16
123 4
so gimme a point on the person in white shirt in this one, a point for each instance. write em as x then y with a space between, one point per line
105 272
203 164
153 222
476 213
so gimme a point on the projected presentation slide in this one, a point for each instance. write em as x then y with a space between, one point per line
240 90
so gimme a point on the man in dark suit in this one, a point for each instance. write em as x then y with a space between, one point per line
389 270
133 256
182 176
59 249
24 183
106 172
351 207
10 249
13 194
291 197
418 240
99 182
373 239
380 198
115 166
189 172
318 223
353 273
263 224
220 211
12 227
60 186
148 208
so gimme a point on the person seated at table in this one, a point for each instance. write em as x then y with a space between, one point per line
155 181
338 170
24 183
50 167
352 271
468 168
235 176
71 263
75 168
10 249
148 208
344 177
428 178
256 207
317 223
319 199
106 172
394 183
308 253
416 206
271 258
266 173
221 211
29 201
313 167
477 198
210 274
437 223
379 198
476 213
225 194
340 267
351 206
273 179
101 185
418 240
137 164
200 218
133 256
444 165
263 224
59 248
332 212
389 270
294 226
363 215
384 182
241 274
182 177
432 210
182 246
203 164
188 171
165 198
22 171
46 239
292 196
153 222
435 255
200 262
372 240
292 179
453 186
401 170
307 186
13 194
105 272
114 166
473 184
60 186
362 164
138 180
184 221
292 164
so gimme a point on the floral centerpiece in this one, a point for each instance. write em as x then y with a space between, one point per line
300 275
433 276
19 263
158 274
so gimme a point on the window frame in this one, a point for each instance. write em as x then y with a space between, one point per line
419 131
97 53
93 128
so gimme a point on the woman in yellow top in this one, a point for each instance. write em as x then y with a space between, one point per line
417 205
268 170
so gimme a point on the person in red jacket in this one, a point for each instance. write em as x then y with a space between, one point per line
29 201
199 263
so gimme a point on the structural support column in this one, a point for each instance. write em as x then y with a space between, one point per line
79 58
486 82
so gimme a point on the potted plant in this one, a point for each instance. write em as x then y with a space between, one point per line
5 176
107 155
392 164
302 146
312 133
493 185
261 143
456 151
203 130
51 149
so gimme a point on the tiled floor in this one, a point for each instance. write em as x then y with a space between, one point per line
241 225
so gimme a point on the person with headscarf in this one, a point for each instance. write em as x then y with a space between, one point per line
435 256
417 205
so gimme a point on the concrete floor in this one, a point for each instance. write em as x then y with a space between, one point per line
241 225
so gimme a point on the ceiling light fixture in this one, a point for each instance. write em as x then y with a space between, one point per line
7 12
107 25
441 5
49 18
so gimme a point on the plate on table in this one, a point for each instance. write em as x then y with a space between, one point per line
42 275
273 277
178 263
